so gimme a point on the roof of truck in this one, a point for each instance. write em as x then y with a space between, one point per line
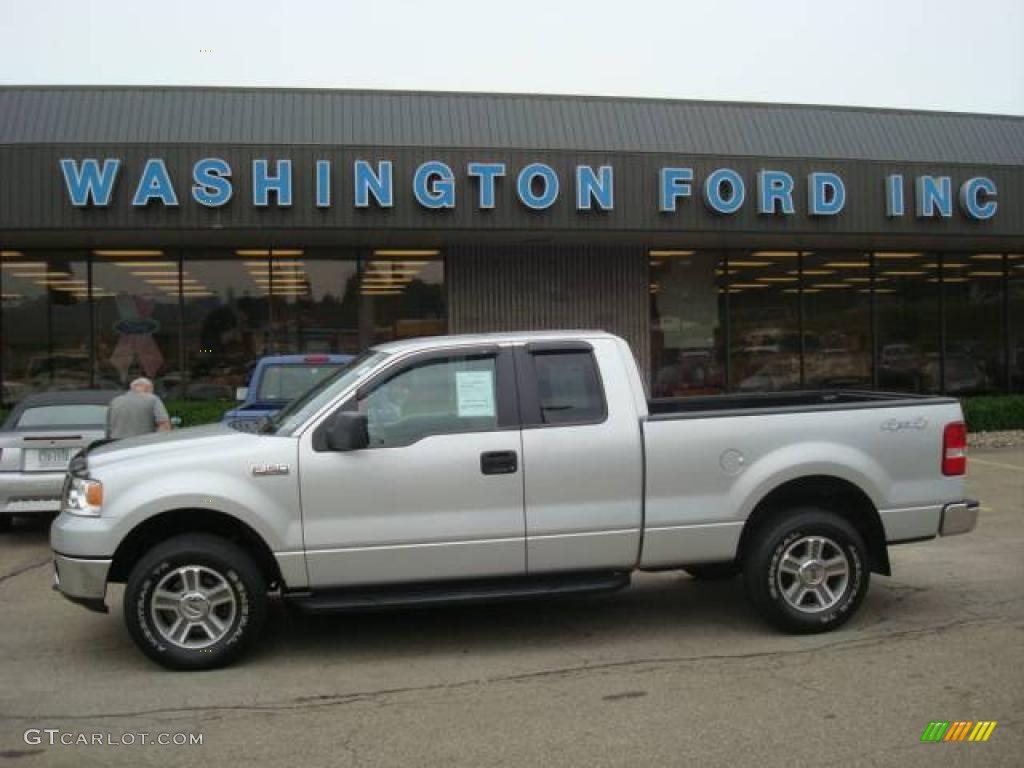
512 337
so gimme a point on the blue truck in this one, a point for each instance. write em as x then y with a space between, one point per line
277 380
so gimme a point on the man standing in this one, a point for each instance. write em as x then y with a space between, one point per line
137 412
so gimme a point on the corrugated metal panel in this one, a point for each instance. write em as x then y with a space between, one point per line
338 118
548 288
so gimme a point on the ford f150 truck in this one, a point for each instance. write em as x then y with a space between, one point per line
504 466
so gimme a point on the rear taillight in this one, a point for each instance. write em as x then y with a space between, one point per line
954 449
316 359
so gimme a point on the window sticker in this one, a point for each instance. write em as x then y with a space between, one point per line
474 391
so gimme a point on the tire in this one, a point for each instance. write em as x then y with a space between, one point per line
214 602
807 572
6 521
713 571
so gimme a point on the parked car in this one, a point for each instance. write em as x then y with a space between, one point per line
964 375
504 466
39 437
276 381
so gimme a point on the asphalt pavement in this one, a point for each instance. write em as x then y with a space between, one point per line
669 672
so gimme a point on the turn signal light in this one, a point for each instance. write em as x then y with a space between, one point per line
94 494
954 449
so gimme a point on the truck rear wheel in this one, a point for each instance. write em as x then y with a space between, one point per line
195 602
807 572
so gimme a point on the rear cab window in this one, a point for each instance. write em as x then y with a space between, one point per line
561 386
288 381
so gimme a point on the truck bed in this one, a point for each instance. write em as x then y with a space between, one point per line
801 401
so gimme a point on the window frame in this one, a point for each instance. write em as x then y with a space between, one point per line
532 417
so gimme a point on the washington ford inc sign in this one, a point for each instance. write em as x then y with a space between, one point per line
90 182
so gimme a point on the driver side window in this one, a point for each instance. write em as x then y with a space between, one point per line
439 396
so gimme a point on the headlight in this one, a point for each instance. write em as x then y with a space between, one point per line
84 497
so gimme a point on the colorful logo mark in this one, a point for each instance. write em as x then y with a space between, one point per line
958 730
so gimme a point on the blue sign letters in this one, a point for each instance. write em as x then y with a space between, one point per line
434 183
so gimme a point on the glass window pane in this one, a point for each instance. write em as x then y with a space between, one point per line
402 295
763 290
315 301
135 305
837 319
907 300
227 320
439 397
64 415
1015 263
287 382
568 388
45 323
973 297
687 323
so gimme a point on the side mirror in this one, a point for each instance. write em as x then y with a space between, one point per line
348 431
241 393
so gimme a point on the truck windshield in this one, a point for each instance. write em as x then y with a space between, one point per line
295 413
286 382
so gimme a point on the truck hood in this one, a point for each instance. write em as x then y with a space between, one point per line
151 447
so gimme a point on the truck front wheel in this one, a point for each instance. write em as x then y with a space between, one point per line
195 602
807 572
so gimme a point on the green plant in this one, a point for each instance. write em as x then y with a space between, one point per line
195 412
986 413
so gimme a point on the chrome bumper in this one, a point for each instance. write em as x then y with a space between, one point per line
82 581
959 517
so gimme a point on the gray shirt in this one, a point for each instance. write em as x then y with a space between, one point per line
135 413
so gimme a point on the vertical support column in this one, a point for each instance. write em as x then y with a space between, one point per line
92 319
530 287
800 316
873 319
941 259
1007 378
727 323
182 359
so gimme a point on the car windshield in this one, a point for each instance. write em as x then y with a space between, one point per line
295 413
78 415
288 381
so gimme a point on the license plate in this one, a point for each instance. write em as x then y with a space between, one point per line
53 457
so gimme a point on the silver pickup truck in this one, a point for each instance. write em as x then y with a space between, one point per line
504 466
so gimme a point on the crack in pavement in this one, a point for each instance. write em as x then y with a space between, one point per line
24 569
331 700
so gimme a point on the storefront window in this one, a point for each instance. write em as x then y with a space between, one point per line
136 317
687 322
1015 288
973 298
837 319
763 290
315 301
907 301
45 305
402 295
227 320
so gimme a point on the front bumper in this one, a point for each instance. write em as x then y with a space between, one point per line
28 493
959 517
82 580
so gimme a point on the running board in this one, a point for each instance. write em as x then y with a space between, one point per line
459 592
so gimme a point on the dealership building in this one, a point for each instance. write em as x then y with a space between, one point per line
181 233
